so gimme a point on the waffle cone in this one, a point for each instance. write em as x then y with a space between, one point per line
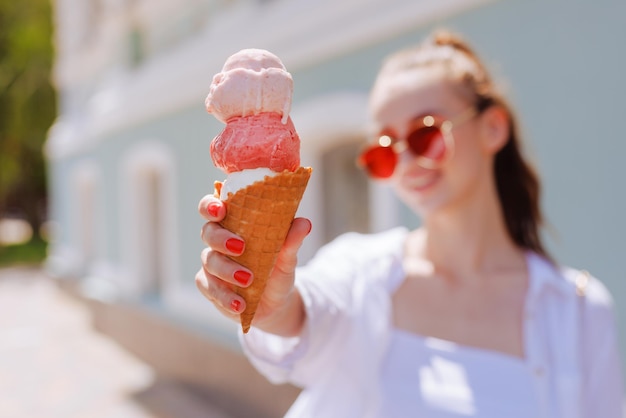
261 214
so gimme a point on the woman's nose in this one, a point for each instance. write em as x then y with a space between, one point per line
407 161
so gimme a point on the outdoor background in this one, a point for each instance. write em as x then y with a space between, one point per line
104 155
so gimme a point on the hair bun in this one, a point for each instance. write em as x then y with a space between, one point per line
446 38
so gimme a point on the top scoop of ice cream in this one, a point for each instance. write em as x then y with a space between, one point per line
252 81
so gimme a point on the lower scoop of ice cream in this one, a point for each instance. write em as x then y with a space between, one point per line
255 141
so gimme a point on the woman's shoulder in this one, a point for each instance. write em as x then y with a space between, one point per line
570 281
593 291
567 286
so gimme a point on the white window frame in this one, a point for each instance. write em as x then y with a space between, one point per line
146 158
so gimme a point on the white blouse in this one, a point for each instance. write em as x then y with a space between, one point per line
347 353
427 377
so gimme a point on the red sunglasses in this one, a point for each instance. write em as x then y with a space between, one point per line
429 139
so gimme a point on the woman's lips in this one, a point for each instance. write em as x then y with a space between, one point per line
422 182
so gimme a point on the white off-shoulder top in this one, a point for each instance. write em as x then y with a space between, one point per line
352 362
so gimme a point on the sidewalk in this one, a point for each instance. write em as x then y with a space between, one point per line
53 365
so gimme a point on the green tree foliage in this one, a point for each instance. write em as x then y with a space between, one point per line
27 106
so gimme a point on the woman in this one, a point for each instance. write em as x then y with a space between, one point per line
465 316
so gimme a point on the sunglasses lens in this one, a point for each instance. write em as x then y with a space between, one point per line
379 161
427 142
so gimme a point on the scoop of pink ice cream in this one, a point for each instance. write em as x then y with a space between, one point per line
261 140
252 81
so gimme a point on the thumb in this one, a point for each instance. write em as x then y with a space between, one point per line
288 256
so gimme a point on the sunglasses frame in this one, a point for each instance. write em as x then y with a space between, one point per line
399 145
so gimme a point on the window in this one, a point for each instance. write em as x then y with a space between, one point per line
136 47
88 228
345 191
153 229
86 219
92 10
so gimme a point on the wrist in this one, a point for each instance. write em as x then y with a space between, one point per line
288 319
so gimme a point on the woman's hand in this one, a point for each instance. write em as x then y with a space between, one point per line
280 310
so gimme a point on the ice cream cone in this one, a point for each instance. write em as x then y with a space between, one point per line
261 214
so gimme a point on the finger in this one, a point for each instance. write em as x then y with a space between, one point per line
288 256
221 239
211 208
227 301
223 268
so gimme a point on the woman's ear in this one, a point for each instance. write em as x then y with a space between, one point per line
495 127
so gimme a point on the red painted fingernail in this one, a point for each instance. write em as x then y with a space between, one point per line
310 228
235 305
213 209
243 277
234 245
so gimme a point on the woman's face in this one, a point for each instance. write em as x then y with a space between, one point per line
394 107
